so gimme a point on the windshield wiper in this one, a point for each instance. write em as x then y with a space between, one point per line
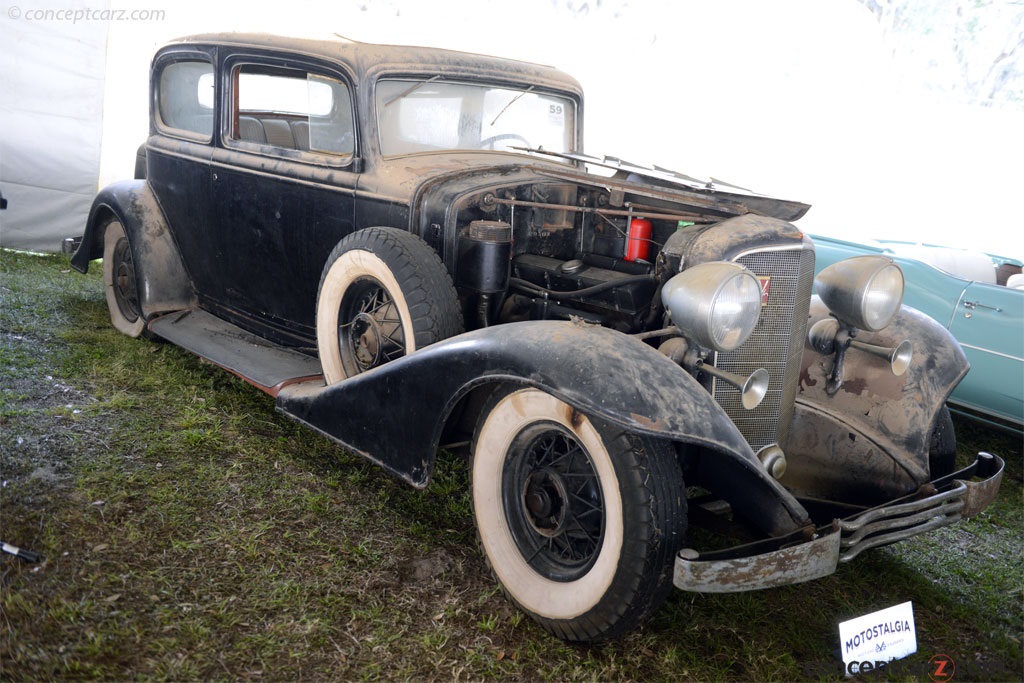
510 103
412 88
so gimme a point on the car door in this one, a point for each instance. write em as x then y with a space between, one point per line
178 154
284 181
989 324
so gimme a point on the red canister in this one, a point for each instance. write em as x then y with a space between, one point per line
639 244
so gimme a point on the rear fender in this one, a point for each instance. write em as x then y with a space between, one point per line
160 274
869 442
394 415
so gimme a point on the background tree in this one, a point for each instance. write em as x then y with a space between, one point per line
970 49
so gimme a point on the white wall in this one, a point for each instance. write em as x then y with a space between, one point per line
793 97
51 98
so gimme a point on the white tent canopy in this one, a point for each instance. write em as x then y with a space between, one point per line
796 98
51 123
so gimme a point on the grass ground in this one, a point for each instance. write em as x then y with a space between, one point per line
190 532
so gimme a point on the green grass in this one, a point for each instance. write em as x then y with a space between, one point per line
192 533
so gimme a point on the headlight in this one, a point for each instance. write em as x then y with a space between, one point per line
863 291
715 304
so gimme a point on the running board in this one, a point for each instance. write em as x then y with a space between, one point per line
263 364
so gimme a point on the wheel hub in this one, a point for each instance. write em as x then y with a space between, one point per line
367 336
553 502
124 279
544 498
124 282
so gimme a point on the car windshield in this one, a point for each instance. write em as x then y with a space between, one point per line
432 115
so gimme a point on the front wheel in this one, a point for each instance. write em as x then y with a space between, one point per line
580 521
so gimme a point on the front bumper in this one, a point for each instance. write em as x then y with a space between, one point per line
795 558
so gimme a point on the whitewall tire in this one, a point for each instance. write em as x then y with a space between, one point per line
384 293
579 521
120 282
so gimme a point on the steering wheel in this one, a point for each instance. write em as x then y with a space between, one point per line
489 142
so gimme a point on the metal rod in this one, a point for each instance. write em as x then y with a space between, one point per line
589 209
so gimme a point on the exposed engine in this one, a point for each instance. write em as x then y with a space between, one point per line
603 253
570 252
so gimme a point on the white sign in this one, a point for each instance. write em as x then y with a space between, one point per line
878 637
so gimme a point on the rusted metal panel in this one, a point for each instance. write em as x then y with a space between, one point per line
796 564
397 411
788 561
713 201
163 283
981 494
645 392
868 443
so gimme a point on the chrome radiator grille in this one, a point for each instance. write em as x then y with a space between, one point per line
776 345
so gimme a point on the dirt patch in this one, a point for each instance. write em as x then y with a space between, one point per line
430 567
41 420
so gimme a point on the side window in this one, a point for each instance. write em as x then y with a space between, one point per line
332 132
292 109
185 97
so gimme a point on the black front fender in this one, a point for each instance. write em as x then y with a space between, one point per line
869 441
162 281
394 414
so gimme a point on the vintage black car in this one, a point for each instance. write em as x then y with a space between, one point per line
409 250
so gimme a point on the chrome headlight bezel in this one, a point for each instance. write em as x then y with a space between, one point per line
716 305
864 291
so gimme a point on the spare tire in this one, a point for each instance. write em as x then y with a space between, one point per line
384 293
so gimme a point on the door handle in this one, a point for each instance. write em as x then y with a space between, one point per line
977 304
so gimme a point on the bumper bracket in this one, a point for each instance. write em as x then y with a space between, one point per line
785 561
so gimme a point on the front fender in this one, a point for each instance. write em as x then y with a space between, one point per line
162 281
869 441
394 414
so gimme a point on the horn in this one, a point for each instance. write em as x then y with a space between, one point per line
752 389
899 356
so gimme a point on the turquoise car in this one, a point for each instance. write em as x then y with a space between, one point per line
980 299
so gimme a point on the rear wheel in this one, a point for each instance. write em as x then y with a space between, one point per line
384 293
120 282
579 521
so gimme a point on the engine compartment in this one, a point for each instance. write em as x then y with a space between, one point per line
573 251
602 250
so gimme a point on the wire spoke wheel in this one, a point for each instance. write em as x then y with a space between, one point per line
553 502
578 520
374 332
120 281
384 293
125 290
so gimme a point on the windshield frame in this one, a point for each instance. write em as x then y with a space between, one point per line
398 88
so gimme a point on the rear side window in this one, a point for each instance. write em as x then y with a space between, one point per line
185 97
292 109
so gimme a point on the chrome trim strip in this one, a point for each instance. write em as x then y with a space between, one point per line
885 539
991 352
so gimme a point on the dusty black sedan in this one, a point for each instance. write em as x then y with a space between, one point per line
409 250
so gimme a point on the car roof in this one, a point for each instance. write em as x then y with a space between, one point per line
372 59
